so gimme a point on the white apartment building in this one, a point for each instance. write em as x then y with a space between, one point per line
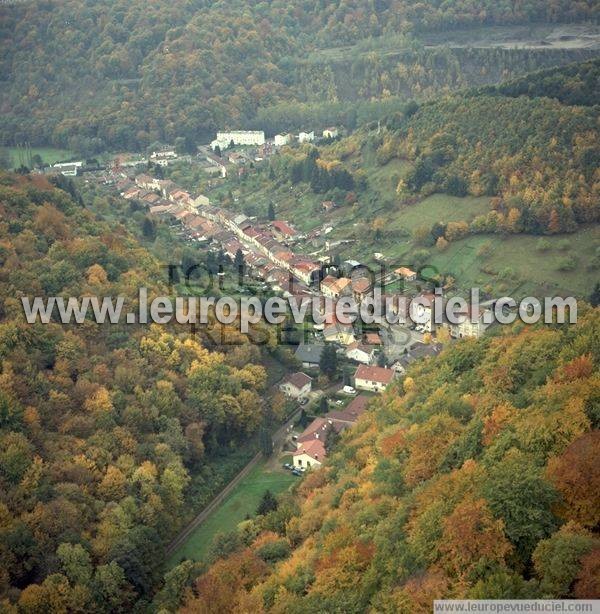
239 137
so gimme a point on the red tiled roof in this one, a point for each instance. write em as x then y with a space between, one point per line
352 411
319 426
299 379
372 339
374 374
283 228
361 285
314 448
307 266
405 272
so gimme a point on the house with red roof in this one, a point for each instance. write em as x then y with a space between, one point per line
311 443
283 231
296 386
373 379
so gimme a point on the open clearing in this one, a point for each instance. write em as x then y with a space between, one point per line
49 155
242 502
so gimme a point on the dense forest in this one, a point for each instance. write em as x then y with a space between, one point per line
107 432
475 476
537 156
97 75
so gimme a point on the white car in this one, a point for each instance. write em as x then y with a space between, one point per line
348 390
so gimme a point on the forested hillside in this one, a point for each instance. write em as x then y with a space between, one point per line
92 76
522 143
104 430
475 476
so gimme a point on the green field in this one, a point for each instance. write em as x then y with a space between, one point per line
514 264
49 155
241 502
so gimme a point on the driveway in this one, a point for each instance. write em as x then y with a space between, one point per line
397 338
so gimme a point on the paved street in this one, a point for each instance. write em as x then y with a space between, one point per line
398 338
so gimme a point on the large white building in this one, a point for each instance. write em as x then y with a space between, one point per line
239 137
68 169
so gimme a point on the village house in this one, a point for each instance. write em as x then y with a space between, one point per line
306 271
279 140
306 137
309 454
372 339
235 158
147 182
339 333
200 201
283 231
417 351
373 379
328 205
346 417
296 386
472 323
422 311
131 193
359 352
309 355
160 209
310 446
165 186
151 198
334 287
361 288
406 273
330 133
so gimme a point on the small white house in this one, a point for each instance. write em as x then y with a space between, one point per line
359 352
296 386
330 133
309 454
279 140
306 137
374 379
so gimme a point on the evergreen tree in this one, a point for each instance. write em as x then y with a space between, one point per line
238 262
329 361
149 229
595 295
271 212
333 438
266 441
267 504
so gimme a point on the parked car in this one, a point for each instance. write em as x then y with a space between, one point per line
348 390
303 401
287 466
296 472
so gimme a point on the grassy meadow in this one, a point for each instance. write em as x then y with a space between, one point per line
241 502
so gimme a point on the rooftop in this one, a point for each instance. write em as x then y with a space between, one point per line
299 379
309 352
374 374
